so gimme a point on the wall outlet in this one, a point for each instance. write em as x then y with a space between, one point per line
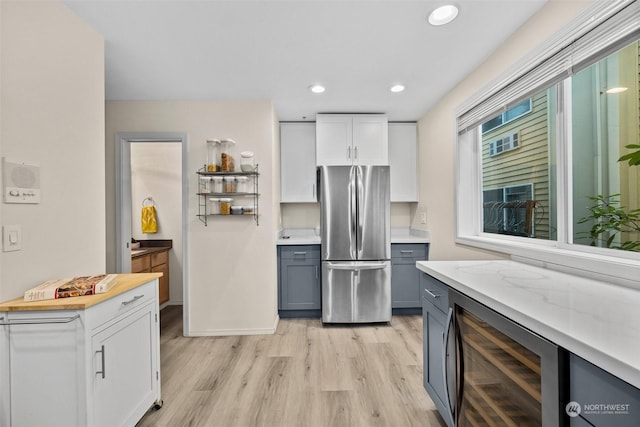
423 217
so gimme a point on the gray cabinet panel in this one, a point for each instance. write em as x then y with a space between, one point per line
604 399
299 271
434 329
405 277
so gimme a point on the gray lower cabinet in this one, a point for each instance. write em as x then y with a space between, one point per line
435 322
299 270
603 399
405 277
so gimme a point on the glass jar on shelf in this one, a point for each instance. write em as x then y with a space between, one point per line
230 184
204 185
213 155
226 155
225 205
214 206
242 184
217 185
247 163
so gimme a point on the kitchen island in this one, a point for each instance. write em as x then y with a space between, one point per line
596 324
90 360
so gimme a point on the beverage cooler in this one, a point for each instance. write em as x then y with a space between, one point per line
504 374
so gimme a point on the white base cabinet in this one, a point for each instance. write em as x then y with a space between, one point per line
97 366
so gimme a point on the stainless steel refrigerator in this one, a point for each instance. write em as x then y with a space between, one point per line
356 247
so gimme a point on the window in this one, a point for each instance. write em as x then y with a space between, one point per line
556 178
509 210
504 118
507 143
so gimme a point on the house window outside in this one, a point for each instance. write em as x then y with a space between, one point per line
509 115
509 210
524 167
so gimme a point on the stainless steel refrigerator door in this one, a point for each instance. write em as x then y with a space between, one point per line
356 292
338 212
373 213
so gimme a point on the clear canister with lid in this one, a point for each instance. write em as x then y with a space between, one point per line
226 155
230 184
225 206
204 184
214 206
247 163
213 155
242 184
217 185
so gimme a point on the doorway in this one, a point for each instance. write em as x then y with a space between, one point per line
126 207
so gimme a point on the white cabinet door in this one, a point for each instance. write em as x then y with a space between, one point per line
403 161
370 139
125 383
297 162
334 136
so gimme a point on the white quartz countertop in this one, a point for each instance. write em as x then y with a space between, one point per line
310 236
597 321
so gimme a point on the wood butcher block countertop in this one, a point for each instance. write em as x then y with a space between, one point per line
124 283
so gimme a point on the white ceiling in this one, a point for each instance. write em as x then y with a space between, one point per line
211 49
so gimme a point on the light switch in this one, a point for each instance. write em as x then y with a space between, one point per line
11 238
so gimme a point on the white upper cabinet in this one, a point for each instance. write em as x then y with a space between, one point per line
403 161
343 139
297 162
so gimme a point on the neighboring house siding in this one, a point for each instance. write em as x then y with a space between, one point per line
529 163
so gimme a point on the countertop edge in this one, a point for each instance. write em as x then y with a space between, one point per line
590 353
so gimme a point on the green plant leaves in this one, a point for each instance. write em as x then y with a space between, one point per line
634 157
609 220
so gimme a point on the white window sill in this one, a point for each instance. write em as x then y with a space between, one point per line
610 269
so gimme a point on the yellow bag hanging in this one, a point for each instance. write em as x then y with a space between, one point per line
149 222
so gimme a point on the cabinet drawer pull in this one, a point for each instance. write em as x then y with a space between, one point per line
432 294
299 253
101 351
134 299
40 321
408 252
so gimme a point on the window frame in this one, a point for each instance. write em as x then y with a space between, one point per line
613 266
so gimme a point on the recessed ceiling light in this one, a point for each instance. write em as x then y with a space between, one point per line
616 90
397 88
443 15
316 88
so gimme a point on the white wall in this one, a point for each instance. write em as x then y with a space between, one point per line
231 263
437 134
52 104
156 172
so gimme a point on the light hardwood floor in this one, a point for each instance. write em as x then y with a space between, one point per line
306 374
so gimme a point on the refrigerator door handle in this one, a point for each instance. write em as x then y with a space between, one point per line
359 266
353 212
359 209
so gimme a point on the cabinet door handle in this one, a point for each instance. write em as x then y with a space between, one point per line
432 294
355 157
316 271
348 153
313 190
134 299
101 351
39 321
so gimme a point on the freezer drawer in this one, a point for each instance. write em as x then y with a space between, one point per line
356 291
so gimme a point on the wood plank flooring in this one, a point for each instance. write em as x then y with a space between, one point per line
305 375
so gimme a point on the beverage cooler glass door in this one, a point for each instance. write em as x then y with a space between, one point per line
507 375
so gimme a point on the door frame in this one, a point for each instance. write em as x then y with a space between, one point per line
123 201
